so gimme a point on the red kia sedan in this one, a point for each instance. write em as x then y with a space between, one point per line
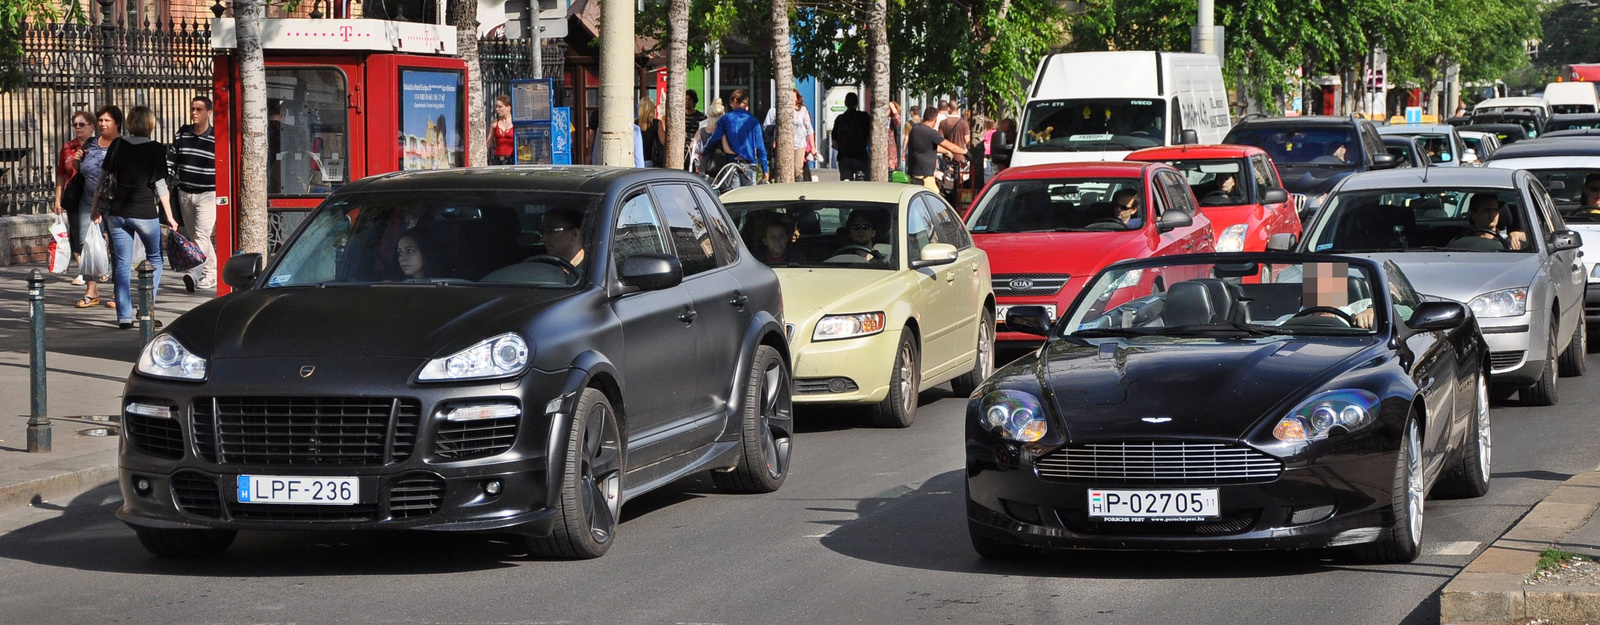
1049 228
1238 189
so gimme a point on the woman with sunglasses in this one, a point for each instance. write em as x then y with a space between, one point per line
1591 191
67 169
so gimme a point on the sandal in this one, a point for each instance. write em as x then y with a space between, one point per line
87 302
110 303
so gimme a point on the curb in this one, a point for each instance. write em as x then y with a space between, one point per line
67 484
1491 588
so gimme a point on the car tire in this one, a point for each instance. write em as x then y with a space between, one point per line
766 431
969 381
170 543
993 549
1575 358
1543 392
899 409
590 496
1400 542
1468 475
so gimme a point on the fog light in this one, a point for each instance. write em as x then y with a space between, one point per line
141 486
492 487
838 385
490 411
1310 514
149 410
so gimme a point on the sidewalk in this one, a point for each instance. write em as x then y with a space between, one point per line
87 360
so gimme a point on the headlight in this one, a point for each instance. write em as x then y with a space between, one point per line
1315 201
1128 279
1014 415
1503 303
1314 418
1232 238
497 357
835 327
165 357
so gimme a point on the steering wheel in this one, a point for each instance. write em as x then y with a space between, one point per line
1505 243
559 262
1106 223
1326 309
871 253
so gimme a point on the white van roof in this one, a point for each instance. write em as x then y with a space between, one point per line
1571 93
1115 74
1506 103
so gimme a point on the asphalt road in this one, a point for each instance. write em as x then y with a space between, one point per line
868 529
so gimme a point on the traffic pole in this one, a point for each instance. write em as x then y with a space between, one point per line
1205 33
147 326
39 414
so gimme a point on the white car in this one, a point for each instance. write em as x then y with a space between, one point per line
1480 145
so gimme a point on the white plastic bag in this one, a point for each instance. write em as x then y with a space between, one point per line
60 245
96 259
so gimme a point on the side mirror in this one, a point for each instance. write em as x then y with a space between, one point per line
650 272
1563 240
1174 219
1033 320
1280 242
1384 161
935 254
1438 316
241 271
1274 195
1188 136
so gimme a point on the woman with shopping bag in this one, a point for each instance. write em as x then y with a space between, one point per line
91 165
135 181
70 183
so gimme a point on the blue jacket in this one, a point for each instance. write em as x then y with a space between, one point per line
743 131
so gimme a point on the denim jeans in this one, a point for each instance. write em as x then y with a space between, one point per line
123 230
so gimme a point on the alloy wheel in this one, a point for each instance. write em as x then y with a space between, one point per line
775 407
1485 443
1415 496
986 350
908 381
601 473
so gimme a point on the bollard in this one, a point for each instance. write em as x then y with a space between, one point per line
147 326
38 416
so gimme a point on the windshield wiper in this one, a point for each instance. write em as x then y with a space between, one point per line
1223 327
1101 332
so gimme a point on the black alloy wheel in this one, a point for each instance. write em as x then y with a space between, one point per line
1575 358
766 432
590 499
984 367
172 543
1543 392
1400 543
899 408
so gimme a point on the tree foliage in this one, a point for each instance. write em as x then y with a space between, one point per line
1571 34
14 17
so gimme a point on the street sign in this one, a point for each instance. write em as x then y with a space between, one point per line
552 18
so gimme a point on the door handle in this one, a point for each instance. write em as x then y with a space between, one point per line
739 300
688 315
950 278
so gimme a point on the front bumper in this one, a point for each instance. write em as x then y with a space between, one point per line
423 472
865 362
1518 348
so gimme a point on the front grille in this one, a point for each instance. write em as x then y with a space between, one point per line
1020 284
1232 522
1505 360
478 438
308 513
416 496
154 435
305 431
1299 202
820 386
197 494
1152 462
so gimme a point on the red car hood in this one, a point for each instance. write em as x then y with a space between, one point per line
1078 254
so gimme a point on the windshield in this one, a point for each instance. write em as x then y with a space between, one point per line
1060 205
1219 182
819 233
1093 125
1332 146
1580 187
1395 220
1243 299
501 238
1568 109
1439 148
1585 123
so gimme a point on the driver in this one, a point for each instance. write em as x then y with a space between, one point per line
1227 190
1591 191
861 230
1484 213
563 235
1327 285
1127 205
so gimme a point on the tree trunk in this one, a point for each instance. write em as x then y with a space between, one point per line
476 142
878 52
677 81
782 159
252 195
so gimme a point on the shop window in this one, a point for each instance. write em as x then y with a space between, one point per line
308 130
431 113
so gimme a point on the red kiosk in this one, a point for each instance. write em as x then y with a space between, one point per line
347 98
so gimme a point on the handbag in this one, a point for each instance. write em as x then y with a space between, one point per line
106 194
183 254
60 248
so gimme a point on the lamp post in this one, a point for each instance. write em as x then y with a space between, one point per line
107 47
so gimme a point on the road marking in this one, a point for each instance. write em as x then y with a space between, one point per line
1456 548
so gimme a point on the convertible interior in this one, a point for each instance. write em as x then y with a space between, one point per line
1212 301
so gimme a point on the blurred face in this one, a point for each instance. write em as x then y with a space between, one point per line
199 115
862 232
777 240
82 127
1325 284
1485 212
108 126
410 256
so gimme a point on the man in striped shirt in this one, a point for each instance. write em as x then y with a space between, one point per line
193 162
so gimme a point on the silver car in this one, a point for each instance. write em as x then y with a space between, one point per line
1441 142
1488 237
1566 167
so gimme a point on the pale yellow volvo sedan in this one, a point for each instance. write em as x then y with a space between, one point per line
884 293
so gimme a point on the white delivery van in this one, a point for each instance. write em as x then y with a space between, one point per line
1537 106
1572 97
1099 106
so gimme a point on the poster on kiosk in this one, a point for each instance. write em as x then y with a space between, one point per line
531 101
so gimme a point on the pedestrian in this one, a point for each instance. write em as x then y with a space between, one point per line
692 118
896 136
740 136
852 136
192 162
944 112
140 166
69 192
800 120
989 128
708 161
503 140
923 146
957 130
91 164
649 133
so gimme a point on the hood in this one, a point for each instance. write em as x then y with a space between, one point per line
1022 157
1047 252
1311 179
1462 276
414 322
1215 389
809 291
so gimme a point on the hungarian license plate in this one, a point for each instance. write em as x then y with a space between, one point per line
324 491
1171 505
1000 312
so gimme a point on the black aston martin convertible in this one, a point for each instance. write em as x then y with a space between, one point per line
1239 401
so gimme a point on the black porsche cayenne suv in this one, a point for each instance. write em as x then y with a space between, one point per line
516 349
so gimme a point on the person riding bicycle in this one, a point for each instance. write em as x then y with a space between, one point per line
740 135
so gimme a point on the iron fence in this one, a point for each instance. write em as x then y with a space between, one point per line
505 60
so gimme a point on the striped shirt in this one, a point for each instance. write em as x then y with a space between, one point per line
193 160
